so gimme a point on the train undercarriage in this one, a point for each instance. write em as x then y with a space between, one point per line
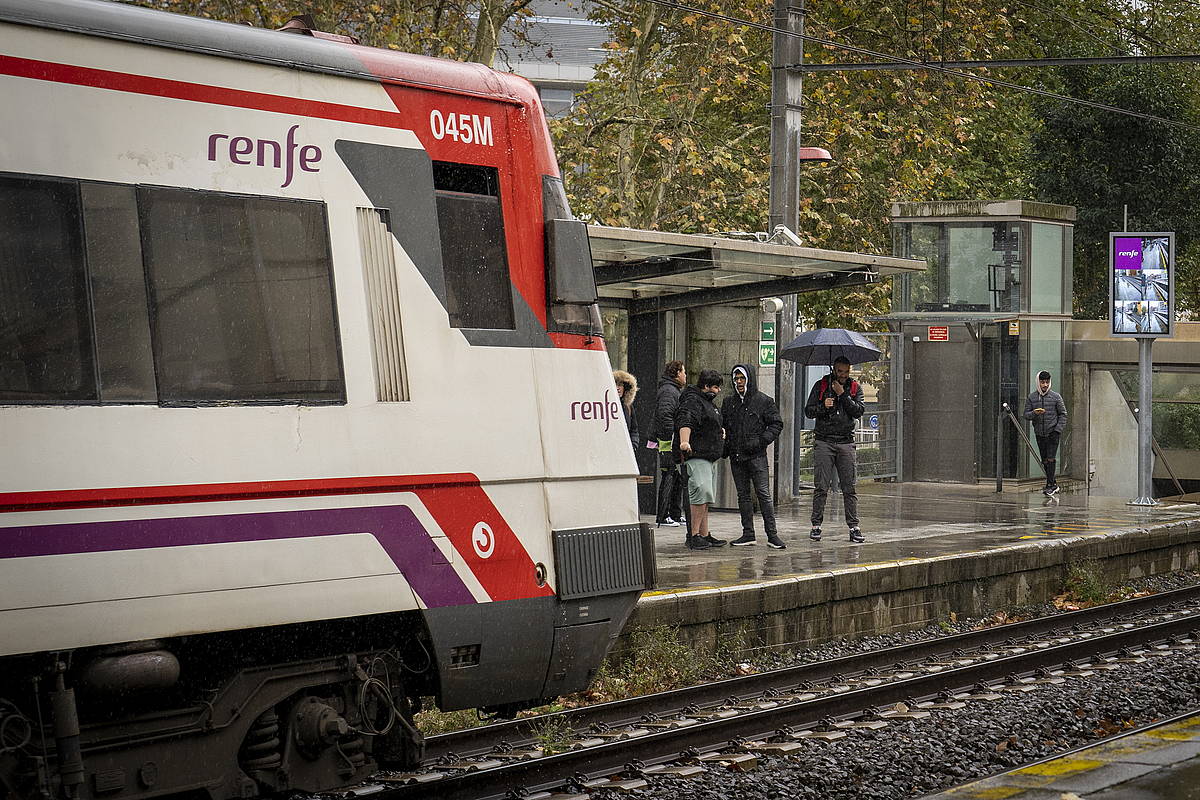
217 716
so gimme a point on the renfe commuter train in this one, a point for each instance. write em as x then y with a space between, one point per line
305 410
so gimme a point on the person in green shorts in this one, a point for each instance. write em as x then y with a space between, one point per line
702 444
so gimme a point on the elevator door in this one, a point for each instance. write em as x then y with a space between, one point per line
943 392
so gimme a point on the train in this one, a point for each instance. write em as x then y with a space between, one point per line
305 403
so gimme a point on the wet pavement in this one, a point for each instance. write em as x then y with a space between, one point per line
902 522
1161 764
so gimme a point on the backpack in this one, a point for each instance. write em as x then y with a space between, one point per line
853 388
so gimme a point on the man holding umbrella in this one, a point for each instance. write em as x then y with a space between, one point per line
836 403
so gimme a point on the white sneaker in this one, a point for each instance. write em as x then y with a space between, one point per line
668 523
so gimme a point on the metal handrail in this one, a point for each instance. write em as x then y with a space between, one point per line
1158 451
1021 432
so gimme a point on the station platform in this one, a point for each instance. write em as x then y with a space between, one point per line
1160 764
933 552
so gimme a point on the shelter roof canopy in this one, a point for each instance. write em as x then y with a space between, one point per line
656 270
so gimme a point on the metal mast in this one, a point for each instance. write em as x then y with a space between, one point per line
787 91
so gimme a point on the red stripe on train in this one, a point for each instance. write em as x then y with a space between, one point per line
488 546
212 492
196 92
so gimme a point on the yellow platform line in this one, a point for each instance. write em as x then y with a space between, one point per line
1061 767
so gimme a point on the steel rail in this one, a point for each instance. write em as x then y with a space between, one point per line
482 739
711 735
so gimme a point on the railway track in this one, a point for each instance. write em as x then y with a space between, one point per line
730 721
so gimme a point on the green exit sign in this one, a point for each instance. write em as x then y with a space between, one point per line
767 332
766 354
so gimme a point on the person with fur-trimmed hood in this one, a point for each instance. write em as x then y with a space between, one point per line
752 423
627 389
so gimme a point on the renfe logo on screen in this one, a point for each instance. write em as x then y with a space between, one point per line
1127 252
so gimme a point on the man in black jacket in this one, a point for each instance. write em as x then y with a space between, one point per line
752 422
836 403
670 481
701 442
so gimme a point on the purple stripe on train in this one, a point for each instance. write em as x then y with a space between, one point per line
396 528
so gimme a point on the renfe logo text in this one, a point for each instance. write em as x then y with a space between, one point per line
606 410
266 153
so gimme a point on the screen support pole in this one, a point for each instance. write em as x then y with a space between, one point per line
1145 422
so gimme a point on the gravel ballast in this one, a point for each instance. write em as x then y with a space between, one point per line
909 759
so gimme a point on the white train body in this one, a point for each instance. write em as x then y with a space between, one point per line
297 332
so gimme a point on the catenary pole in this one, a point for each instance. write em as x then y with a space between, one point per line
786 97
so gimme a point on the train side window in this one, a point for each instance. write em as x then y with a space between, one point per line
45 325
242 299
114 255
474 257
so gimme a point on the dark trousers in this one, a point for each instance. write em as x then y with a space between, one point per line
753 479
1048 447
830 458
670 488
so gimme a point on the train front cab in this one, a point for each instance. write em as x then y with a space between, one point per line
509 655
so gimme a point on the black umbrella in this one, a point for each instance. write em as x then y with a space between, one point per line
823 345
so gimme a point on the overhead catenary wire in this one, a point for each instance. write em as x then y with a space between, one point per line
1079 25
922 64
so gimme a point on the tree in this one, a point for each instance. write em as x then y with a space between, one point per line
671 132
658 140
466 30
1100 162
674 132
900 135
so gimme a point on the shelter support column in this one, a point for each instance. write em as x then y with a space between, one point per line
1145 417
646 345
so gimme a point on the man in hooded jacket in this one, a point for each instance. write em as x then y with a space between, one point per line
752 423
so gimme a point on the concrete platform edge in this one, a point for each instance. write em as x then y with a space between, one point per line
800 611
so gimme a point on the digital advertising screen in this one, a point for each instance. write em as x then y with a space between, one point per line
1142 289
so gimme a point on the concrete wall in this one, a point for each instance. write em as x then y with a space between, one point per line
722 336
806 610
1112 447
1112 439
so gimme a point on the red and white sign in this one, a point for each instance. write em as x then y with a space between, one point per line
939 333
